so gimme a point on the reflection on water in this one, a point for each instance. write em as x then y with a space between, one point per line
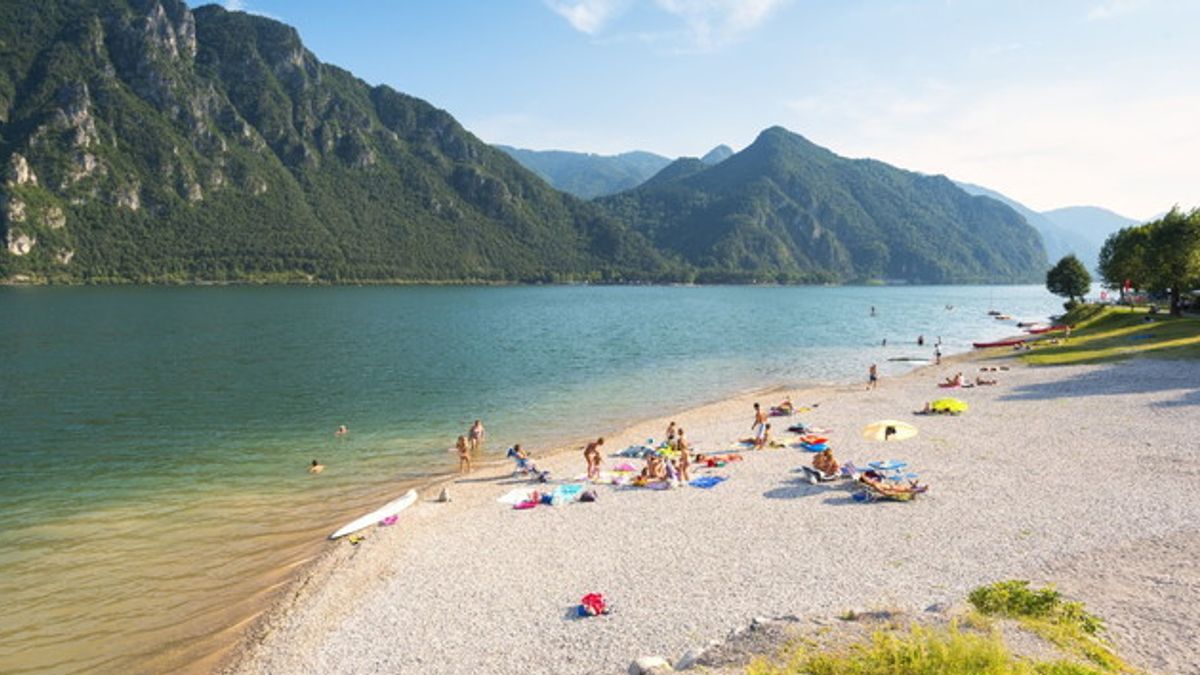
155 439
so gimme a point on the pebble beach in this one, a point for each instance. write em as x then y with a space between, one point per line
1080 476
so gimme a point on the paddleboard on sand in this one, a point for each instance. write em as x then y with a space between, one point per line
389 509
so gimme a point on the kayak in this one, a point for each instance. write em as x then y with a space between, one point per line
1046 329
389 509
999 343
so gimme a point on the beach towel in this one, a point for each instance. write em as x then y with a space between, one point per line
707 481
516 496
564 494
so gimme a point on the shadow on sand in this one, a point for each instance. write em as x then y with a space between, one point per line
1104 382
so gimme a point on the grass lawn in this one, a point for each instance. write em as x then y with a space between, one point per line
1104 333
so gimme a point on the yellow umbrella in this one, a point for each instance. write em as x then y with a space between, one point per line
950 405
889 430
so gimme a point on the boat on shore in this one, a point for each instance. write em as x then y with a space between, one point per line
1008 342
1046 329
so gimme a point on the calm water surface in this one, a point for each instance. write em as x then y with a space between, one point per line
154 440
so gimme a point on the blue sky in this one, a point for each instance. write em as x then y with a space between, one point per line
1053 103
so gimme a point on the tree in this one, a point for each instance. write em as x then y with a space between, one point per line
1123 258
1174 255
1069 278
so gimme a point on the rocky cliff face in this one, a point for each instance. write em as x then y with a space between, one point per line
141 140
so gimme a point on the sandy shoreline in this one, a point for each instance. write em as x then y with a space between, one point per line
1067 475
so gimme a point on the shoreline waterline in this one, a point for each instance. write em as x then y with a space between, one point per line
320 567
160 434
1002 534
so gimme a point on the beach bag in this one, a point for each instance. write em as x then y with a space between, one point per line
588 496
593 604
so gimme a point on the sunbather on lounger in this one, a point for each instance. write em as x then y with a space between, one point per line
825 463
889 488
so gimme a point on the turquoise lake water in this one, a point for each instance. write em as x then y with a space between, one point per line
153 440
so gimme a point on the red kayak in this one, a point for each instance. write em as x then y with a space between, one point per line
999 343
1046 329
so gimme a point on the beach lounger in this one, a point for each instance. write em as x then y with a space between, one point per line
870 492
526 467
814 477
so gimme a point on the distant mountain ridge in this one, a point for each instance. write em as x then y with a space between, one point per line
1079 230
588 175
142 140
789 210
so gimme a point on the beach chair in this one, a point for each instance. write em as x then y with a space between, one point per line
876 491
526 467
814 476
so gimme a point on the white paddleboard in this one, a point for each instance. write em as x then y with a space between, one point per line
389 509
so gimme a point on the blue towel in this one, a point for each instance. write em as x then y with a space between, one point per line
707 481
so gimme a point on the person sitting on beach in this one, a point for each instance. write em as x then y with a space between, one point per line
685 461
981 382
956 381
784 409
524 463
341 431
464 455
825 463
316 467
655 469
591 455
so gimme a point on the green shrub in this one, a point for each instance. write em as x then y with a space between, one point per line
920 651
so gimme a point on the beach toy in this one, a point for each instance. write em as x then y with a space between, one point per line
814 447
390 520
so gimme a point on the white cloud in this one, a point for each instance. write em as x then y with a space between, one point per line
235 5
1111 8
711 23
587 16
706 23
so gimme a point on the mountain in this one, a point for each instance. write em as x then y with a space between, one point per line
717 155
586 175
1080 230
143 141
786 209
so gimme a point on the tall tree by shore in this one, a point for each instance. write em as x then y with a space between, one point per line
1160 256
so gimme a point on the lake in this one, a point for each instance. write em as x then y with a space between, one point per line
154 440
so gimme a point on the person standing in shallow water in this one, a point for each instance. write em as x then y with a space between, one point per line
872 377
464 455
476 436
